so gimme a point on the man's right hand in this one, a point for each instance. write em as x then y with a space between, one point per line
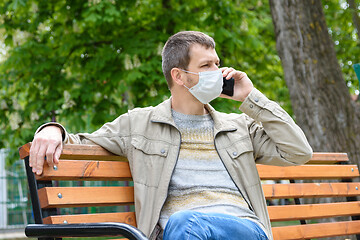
47 144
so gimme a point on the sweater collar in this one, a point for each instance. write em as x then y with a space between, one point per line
162 114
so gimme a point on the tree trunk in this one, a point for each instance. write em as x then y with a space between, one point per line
320 98
318 92
355 17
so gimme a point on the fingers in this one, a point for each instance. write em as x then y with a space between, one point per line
49 156
231 72
227 72
57 154
49 151
243 85
37 157
40 158
33 155
41 152
223 69
46 146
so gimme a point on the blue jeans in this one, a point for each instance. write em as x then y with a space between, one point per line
189 225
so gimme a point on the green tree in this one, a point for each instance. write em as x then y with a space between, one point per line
83 63
318 90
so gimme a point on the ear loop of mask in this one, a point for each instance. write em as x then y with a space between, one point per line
188 72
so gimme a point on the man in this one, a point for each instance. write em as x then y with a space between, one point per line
194 168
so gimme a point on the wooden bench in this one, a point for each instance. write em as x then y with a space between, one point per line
84 163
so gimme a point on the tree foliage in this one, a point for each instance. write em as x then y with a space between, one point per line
83 63
342 29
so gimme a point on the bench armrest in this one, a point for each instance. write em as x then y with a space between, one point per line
84 230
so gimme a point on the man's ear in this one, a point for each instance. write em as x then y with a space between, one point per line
177 76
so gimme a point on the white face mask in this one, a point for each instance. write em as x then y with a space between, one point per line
209 86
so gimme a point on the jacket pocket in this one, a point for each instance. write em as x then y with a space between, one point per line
239 148
148 160
242 156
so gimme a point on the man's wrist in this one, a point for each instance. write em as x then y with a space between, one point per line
246 94
54 125
253 103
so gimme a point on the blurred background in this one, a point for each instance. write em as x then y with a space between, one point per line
83 63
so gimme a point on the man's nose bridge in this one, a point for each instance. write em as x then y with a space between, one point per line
214 67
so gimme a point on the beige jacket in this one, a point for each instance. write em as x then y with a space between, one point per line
148 137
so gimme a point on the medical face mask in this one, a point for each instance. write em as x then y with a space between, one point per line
209 86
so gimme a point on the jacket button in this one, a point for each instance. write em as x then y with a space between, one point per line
256 100
251 106
234 153
162 151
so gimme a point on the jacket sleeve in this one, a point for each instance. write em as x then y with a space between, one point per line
277 140
113 136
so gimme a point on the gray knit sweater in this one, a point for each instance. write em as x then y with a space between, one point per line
200 181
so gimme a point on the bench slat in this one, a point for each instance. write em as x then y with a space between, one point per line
100 170
310 190
79 152
24 150
125 217
267 172
85 196
311 211
94 152
328 158
87 170
317 230
88 152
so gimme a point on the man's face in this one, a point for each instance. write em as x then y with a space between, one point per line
202 59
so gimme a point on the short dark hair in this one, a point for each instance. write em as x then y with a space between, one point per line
176 50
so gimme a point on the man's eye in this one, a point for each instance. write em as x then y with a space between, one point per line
206 65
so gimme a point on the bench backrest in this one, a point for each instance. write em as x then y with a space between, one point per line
84 163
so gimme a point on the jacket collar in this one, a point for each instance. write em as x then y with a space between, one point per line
162 114
221 123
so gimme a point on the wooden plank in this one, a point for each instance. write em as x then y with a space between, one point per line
311 190
95 152
87 170
311 211
328 158
88 152
24 150
79 152
85 196
121 217
267 172
317 230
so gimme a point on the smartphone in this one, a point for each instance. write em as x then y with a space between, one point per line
228 87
